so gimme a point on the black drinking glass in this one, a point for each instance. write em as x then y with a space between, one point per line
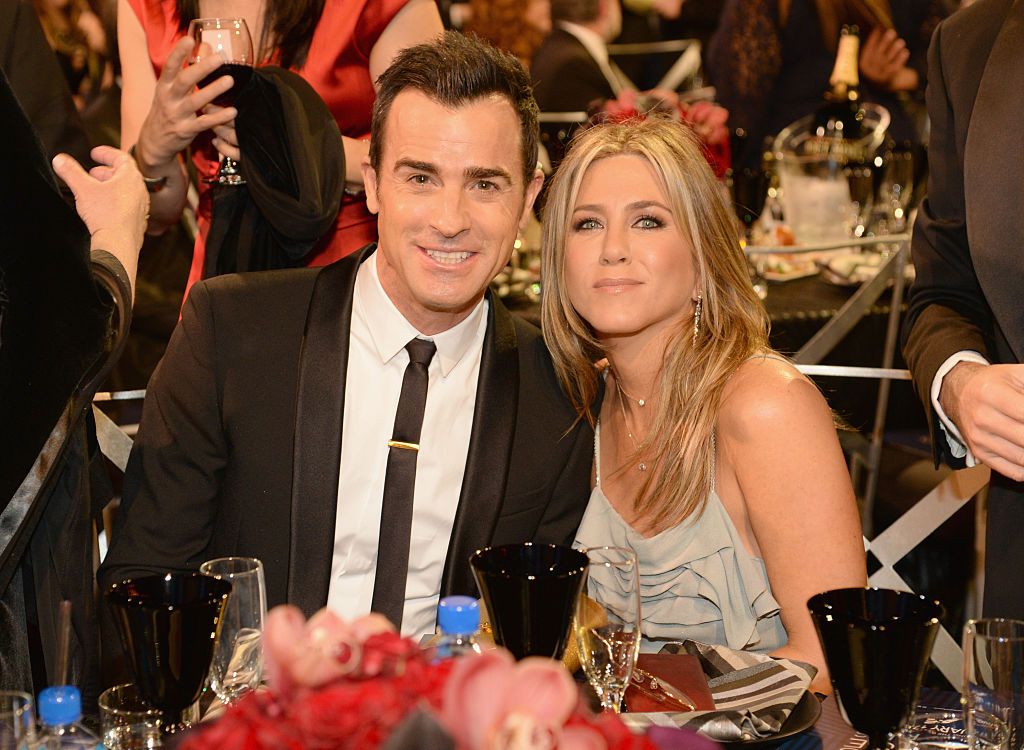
530 591
748 187
168 626
877 643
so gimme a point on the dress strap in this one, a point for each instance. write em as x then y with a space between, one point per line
597 453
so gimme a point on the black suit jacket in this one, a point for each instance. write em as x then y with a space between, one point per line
968 240
565 77
238 449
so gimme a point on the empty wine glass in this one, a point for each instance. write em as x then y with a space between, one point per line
229 39
607 622
895 190
748 188
17 721
237 665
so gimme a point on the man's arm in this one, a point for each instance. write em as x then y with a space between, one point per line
948 312
172 482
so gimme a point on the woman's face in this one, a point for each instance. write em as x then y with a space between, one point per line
629 269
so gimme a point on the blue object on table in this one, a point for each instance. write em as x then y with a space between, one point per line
60 711
458 617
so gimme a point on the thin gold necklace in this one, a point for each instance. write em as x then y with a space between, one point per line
625 420
641 402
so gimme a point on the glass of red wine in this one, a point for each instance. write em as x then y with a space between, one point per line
229 39
877 643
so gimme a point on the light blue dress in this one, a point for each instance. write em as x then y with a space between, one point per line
697 581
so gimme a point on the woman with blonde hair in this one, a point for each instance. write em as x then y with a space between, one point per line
714 458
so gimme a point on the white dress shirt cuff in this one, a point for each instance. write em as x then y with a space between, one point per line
954 439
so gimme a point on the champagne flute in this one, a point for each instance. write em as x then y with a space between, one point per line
17 721
896 189
229 39
237 665
748 188
607 622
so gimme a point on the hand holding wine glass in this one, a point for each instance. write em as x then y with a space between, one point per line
229 40
607 622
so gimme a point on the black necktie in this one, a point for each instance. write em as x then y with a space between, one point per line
399 483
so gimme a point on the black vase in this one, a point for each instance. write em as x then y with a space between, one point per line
877 643
168 626
530 591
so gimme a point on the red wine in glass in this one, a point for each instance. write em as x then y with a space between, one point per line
241 74
229 39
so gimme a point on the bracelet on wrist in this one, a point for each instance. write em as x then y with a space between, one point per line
153 184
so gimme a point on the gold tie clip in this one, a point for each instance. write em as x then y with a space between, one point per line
403 446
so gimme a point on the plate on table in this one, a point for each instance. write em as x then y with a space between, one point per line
803 717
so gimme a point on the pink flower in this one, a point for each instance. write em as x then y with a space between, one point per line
493 703
314 653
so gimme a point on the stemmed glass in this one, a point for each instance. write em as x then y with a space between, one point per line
17 721
168 625
877 643
229 39
895 189
607 622
994 674
748 187
861 182
237 665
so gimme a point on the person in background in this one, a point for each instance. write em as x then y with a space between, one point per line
770 61
964 330
76 34
516 26
339 47
267 428
571 67
714 458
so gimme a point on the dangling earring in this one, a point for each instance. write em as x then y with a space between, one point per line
698 309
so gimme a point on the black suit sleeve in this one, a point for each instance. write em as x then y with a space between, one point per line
568 497
170 500
947 311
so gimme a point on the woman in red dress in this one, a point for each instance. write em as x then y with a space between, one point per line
339 47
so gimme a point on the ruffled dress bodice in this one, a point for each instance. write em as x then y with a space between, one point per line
697 581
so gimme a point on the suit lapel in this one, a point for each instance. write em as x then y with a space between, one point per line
319 409
490 449
994 179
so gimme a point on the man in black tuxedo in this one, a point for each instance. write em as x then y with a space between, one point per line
571 67
965 323
267 428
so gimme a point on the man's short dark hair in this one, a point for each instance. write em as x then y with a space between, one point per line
575 11
455 70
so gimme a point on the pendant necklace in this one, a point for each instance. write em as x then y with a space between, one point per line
622 407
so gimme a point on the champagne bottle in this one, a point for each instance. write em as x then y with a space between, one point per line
841 115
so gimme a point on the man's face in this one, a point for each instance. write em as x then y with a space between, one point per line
450 200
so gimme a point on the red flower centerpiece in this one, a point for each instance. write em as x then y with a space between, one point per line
335 684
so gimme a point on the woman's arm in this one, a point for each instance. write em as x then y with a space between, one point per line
784 480
159 116
417 22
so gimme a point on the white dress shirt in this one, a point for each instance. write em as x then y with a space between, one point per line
376 366
595 45
957 444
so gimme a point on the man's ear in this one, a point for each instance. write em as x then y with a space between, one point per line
370 185
532 191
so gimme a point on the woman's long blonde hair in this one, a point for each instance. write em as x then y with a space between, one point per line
733 325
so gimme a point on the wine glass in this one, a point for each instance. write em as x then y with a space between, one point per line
994 673
168 626
607 622
895 189
748 187
530 592
229 39
17 721
861 182
877 643
237 665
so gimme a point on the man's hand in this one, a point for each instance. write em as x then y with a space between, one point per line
112 201
883 61
986 403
